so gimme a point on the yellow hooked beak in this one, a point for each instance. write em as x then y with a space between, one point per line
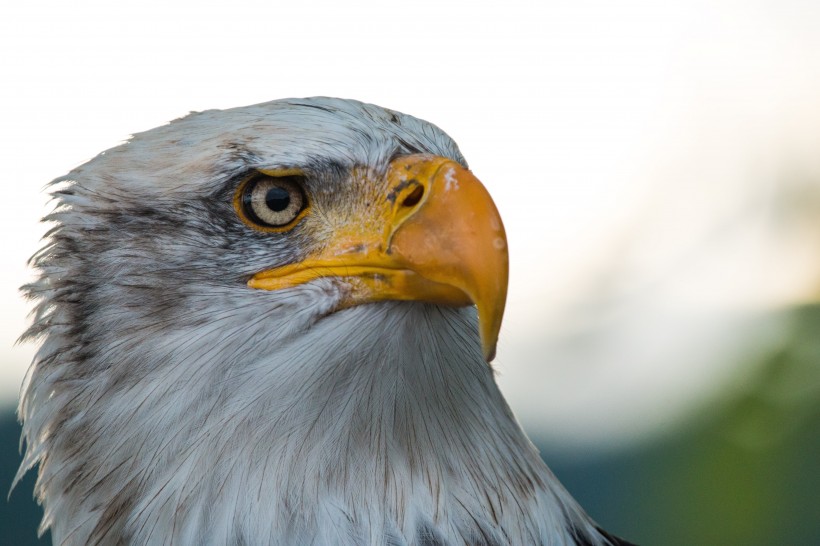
438 238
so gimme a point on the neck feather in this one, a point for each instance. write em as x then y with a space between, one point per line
380 424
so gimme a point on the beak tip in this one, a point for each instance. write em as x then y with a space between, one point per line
489 352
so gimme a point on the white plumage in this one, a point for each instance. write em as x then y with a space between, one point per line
172 404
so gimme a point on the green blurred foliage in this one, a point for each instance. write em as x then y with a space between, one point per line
744 472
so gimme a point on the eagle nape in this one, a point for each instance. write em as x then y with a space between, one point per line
273 325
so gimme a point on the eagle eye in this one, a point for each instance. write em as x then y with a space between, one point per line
271 201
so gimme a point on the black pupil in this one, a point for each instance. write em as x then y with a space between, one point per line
277 199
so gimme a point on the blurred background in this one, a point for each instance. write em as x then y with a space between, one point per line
657 165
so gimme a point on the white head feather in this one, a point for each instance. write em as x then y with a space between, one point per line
169 403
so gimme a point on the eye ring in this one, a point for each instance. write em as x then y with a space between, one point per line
272 200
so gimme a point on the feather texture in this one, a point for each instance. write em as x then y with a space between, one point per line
171 404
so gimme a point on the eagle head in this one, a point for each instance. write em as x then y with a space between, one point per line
272 325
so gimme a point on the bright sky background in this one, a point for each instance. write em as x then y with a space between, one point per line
634 149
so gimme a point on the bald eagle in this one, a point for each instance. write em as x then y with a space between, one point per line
272 325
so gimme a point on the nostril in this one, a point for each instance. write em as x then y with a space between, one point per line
414 197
